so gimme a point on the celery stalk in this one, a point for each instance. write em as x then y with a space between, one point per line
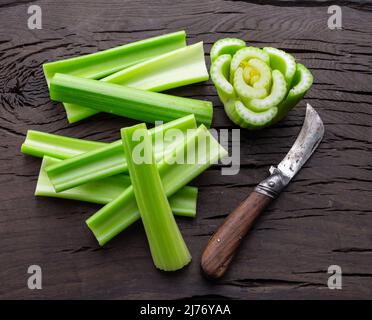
168 249
108 160
103 63
128 102
170 70
117 215
183 203
40 144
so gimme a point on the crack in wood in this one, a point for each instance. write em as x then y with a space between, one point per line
264 283
352 250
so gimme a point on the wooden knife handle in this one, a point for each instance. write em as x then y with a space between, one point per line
222 246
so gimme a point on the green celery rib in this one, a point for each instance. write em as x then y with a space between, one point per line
302 82
183 203
168 249
108 160
170 70
127 102
117 215
103 63
40 144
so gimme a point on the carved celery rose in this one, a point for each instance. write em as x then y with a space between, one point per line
258 87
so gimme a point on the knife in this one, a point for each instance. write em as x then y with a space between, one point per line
222 246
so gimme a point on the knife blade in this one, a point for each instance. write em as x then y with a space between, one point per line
222 246
307 141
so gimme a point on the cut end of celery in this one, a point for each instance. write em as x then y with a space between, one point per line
114 217
176 267
44 186
101 237
76 113
102 240
48 75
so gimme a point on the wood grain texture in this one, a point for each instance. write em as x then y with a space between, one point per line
322 218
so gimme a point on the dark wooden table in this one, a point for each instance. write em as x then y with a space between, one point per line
323 218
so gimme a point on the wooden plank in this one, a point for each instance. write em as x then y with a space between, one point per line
322 218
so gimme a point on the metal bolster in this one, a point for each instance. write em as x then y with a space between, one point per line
274 184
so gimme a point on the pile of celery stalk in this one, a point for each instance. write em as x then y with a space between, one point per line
257 87
126 81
